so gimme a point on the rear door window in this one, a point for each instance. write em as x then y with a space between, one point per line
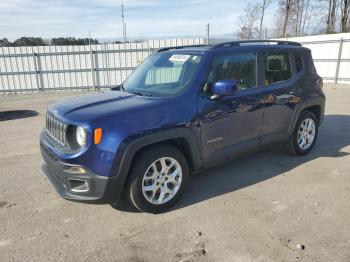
277 67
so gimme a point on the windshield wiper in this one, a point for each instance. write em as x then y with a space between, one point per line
139 93
118 88
136 92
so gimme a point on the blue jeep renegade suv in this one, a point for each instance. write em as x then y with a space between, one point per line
183 110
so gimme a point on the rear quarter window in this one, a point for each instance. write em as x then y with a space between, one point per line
298 62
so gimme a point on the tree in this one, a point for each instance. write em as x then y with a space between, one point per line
248 21
263 7
282 18
345 12
5 42
306 17
332 6
286 6
299 15
29 41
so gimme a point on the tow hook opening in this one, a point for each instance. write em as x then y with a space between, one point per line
78 186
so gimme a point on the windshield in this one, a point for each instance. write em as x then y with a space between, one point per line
163 74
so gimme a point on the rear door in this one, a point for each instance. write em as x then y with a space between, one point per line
282 69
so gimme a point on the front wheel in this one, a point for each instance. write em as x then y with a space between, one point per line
157 179
304 136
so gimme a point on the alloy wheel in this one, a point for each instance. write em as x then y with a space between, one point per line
306 133
162 180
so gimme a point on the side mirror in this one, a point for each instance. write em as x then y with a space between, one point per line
225 88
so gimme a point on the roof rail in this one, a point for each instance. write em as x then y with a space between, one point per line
177 47
238 43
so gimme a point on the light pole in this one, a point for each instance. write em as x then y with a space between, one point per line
123 23
207 30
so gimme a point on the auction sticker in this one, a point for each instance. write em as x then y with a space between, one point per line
179 58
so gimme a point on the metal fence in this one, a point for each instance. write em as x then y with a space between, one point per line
94 67
334 67
91 67
331 55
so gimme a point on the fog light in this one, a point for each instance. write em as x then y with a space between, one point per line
76 170
78 186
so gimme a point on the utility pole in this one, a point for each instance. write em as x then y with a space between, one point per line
208 33
123 23
89 40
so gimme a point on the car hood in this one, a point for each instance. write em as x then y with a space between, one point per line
87 108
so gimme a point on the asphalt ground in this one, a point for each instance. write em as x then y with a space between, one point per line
267 206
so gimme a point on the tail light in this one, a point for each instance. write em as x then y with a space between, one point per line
320 82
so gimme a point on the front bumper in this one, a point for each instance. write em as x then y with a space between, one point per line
82 187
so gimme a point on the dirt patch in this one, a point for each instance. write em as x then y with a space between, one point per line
189 255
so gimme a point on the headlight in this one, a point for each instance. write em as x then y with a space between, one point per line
80 135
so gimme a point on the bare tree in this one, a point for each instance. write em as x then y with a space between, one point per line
332 7
299 15
306 16
297 10
287 5
283 15
248 21
345 12
265 4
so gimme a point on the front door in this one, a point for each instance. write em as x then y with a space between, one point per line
231 124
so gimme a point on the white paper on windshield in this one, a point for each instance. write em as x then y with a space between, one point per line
179 58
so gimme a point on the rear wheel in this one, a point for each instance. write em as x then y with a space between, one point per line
304 136
158 179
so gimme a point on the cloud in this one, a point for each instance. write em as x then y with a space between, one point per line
157 18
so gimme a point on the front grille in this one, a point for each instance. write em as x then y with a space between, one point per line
56 129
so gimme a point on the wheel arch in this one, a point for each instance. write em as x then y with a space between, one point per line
316 107
316 110
183 139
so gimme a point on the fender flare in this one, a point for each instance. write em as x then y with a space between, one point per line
128 150
316 101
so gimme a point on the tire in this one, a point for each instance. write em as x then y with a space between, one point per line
293 146
158 178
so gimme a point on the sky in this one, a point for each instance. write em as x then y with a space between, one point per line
144 19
